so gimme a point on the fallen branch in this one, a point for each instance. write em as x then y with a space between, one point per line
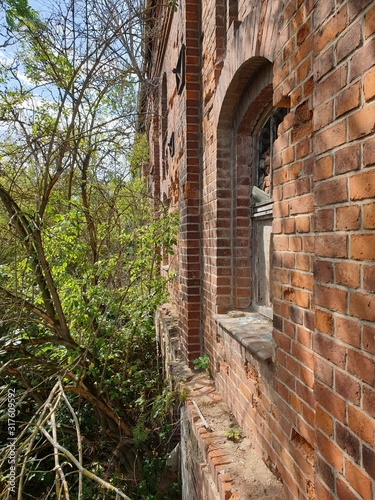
79 466
60 476
79 437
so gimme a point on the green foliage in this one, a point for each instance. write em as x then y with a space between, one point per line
153 469
183 395
80 253
234 434
18 10
139 156
202 363
173 5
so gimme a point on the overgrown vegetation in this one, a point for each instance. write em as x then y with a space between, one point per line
202 363
80 250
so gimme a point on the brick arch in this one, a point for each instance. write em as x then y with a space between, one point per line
254 42
236 88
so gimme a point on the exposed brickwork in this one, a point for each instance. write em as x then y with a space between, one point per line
311 409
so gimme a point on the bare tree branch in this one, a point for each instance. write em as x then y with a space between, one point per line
94 477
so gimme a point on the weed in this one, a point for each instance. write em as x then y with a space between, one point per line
234 434
202 363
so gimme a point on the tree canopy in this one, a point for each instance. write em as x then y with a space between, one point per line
80 251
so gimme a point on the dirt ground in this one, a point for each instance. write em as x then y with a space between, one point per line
251 477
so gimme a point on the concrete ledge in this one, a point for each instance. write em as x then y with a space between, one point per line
252 330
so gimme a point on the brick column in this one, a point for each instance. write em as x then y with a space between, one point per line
189 204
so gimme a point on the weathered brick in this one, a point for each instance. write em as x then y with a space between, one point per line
368 341
348 218
347 274
302 280
301 205
335 135
362 60
362 306
331 191
362 425
347 441
324 219
321 383
329 348
330 451
362 246
324 371
324 421
323 114
302 262
321 490
303 354
356 8
369 278
349 41
347 159
362 122
333 404
330 85
335 25
324 322
303 224
369 400
358 480
331 298
369 152
369 85
348 330
348 387
343 490
361 366
348 99
368 459
303 70
332 245
369 216
324 62
322 12
370 22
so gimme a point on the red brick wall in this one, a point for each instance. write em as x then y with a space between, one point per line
344 180
312 407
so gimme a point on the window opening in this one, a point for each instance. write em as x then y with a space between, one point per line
262 188
179 70
171 145
262 212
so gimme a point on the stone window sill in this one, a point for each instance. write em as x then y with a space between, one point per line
252 330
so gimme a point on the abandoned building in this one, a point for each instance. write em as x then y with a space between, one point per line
261 122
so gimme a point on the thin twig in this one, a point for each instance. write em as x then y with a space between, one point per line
204 421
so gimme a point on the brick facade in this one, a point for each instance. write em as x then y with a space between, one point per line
309 401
